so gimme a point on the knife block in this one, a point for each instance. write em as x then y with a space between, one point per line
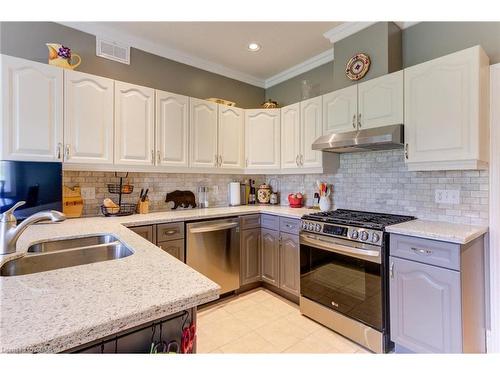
143 207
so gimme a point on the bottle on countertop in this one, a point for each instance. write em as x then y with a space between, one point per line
251 196
316 201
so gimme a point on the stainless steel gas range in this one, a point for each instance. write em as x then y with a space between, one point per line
344 274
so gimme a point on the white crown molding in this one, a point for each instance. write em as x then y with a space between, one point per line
405 24
303 67
344 30
166 52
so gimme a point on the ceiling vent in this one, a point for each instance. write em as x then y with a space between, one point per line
113 51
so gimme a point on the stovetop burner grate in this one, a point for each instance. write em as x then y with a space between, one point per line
365 219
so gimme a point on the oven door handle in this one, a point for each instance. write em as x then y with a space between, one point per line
369 255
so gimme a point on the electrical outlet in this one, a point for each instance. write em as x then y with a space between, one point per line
447 196
88 192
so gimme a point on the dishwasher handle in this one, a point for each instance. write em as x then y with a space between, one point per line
213 227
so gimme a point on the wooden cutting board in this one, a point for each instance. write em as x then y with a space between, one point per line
72 201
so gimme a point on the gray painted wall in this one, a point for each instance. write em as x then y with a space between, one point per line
289 91
428 40
422 42
27 40
379 41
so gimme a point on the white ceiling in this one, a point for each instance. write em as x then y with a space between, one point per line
222 46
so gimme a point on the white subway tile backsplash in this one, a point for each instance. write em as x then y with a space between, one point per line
369 181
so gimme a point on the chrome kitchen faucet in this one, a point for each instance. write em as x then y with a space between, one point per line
10 231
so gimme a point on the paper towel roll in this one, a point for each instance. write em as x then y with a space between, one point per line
234 194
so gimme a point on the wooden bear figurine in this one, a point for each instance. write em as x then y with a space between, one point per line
183 198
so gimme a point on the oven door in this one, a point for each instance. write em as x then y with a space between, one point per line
344 276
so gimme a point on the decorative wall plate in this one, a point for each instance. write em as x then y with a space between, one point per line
357 66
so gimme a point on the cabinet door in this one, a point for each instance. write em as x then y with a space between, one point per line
311 125
270 256
250 255
231 137
203 133
340 109
145 231
88 118
443 102
134 124
174 248
289 263
290 136
262 138
32 110
380 101
425 307
172 126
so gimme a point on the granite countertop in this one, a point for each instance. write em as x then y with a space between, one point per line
442 231
61 309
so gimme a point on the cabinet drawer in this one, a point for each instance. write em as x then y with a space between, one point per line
250 221
270 222
174 248
288 225
437 253
169 231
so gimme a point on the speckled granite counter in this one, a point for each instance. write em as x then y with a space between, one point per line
449 232
61 309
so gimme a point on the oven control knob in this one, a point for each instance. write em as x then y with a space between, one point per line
311 226
304 225
354 234
317 228
363 235
375 237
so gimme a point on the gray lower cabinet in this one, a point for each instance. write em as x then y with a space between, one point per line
146 231
425 307
437 295
174 248
270 256
289 263
250 256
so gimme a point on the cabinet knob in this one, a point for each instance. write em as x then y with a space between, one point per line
153 156
406 151
297 160
58 151
391 270
67 151
301 160
359 120
158 156
354 121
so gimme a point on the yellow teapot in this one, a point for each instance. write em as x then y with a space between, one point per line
61 56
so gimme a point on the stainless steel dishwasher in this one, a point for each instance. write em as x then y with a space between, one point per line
213 249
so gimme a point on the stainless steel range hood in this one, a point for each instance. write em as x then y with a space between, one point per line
383 138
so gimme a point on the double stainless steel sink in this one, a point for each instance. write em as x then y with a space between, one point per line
52 255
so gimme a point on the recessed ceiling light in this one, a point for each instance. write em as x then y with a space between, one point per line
254 47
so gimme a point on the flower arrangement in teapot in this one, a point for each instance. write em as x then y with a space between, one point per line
61 56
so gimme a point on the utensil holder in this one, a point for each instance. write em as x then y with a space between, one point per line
143 207
325 203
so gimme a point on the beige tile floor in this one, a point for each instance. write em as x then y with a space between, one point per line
260 321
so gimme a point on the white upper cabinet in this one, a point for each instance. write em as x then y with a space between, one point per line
231 137
32 110
446 112
311 129
172 127
203 133
134 124
88 118
380 101
262 138
340 110
290 136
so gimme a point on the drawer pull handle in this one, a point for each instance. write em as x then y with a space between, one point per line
289 226
422 251
391 271
170 232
